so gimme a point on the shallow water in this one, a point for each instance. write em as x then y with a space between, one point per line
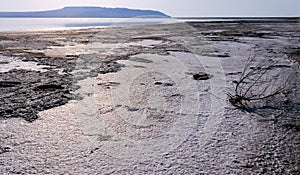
34 24
21 24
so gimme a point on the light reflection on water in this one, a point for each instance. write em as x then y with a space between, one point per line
25 24
35 24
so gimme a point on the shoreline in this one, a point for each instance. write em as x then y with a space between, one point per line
93 25
124 100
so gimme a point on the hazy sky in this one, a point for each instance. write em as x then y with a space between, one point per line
172 7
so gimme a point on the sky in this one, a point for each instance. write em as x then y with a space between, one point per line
175 8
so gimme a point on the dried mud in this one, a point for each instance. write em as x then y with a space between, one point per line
70 68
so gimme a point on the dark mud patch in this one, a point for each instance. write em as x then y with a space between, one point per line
140 60
293 53
5 84
234 30
226 55
108 67
157 38
109 85
24 93
4 62
235 35
48 87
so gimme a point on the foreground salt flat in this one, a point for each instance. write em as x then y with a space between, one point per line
152 117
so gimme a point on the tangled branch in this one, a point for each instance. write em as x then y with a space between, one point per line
257 82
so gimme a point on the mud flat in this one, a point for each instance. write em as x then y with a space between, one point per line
146 100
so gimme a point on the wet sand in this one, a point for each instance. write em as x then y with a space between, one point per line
124 100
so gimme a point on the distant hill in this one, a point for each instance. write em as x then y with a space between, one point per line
86 12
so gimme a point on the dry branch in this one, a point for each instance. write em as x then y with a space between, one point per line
258 81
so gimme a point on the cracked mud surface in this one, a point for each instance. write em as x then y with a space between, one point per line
125 100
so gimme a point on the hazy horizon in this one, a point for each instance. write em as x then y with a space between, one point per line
180 8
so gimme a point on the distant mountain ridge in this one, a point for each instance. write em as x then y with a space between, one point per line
86 12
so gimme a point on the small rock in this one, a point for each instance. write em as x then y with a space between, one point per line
4 149
201 76
168 84
164 84
236 161
223 56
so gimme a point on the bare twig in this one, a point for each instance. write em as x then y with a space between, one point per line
257 82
